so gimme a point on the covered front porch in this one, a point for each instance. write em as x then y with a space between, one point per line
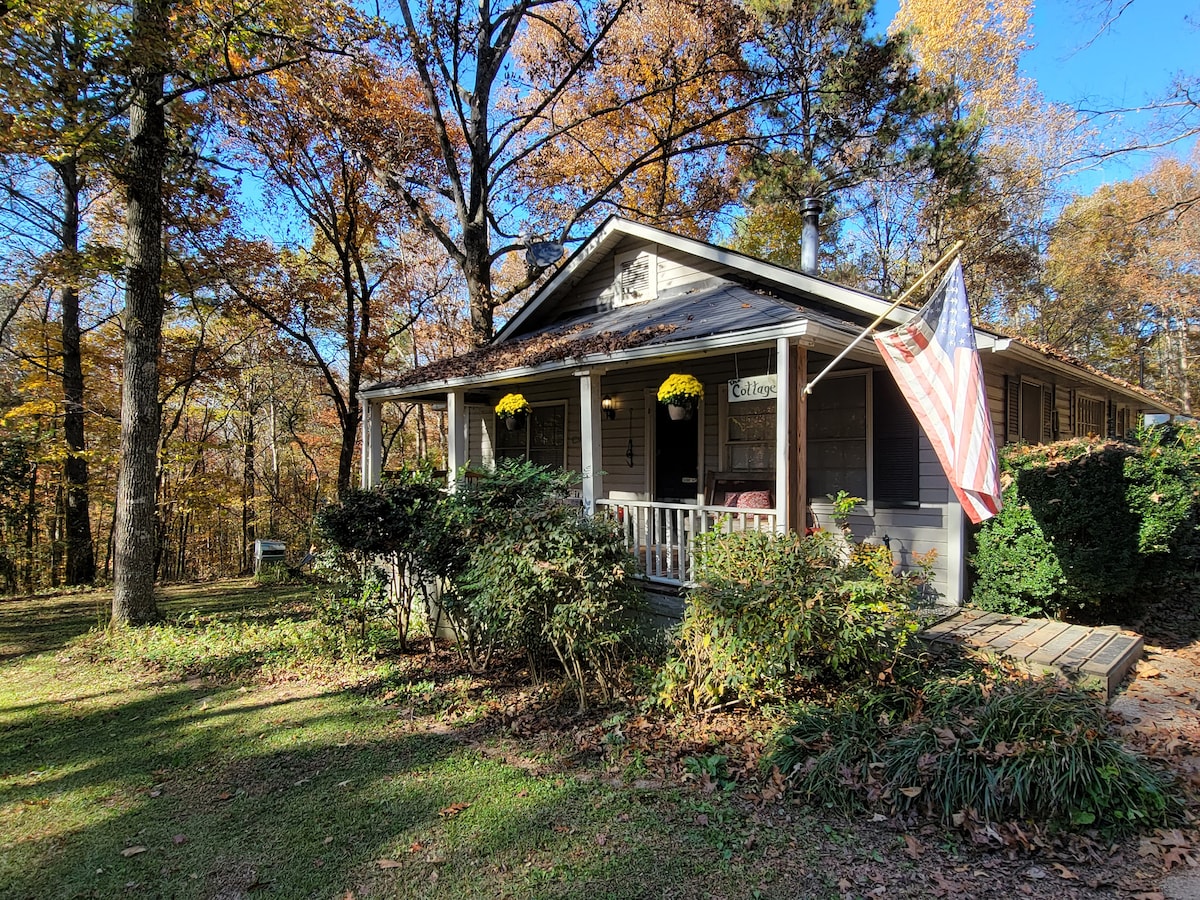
743 461
736 463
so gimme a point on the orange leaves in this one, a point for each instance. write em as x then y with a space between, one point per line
666 79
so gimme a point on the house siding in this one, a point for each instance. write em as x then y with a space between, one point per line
674 271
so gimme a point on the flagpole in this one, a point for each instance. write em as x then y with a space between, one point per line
946 257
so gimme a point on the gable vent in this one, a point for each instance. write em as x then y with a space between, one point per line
635 277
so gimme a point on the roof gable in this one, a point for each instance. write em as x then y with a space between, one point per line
593 278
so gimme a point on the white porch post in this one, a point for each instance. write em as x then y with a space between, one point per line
784 435
593 448
799 381
956 550
456 437
372 444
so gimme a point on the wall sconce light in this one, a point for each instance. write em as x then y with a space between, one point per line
609 406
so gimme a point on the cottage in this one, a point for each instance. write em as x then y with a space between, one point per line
635 305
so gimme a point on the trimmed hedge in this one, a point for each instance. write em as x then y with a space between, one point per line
1086 524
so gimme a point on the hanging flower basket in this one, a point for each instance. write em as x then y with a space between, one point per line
681 394
512 410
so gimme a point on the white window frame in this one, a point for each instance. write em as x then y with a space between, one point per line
725 409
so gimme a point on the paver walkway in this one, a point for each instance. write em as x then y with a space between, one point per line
1094 658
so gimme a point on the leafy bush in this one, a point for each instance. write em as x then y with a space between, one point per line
1085 523
402 522
543 578
354 591
973 741
511 564
1164 484
771 609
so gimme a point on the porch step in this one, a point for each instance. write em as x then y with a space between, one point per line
1096 659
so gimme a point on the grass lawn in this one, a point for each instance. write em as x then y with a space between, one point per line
120 782
176 779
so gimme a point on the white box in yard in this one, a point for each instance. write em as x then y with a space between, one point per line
268 553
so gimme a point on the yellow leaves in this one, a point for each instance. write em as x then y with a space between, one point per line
977 45
30 409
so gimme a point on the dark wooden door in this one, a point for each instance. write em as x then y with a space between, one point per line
676 470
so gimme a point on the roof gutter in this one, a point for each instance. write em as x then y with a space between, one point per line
1025 353
809 333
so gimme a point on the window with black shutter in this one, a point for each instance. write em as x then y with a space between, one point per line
896 452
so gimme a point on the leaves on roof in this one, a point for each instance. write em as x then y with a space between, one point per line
551 346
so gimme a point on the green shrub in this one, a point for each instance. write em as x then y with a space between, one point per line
353 592
561 584
1085 523
771 609
1164 484
505 561
401 523
542 578
973 741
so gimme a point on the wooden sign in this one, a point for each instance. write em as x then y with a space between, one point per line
757 387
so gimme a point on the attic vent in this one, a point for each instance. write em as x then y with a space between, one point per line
635 277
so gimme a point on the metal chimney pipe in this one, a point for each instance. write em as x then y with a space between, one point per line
810 235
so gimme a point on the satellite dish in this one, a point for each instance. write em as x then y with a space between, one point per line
541 254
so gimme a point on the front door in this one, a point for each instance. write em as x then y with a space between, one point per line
676 469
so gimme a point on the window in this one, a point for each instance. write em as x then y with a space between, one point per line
1028 411
542 439
1090 416
860 425
838 445
750 441
1125 421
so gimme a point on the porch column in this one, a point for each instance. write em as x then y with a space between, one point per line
791 435
456 434
956 551
593 448
372 444
799 381
784 439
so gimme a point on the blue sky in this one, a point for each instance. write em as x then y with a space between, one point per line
1136 59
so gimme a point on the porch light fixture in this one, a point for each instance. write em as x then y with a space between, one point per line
609 406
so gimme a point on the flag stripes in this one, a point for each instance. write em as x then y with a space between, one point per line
935 362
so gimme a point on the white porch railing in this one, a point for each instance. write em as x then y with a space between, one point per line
662 535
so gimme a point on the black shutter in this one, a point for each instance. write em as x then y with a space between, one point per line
1012 409
896 450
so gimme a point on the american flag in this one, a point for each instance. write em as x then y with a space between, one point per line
934 360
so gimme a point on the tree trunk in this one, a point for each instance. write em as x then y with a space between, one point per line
81 557
1185 389
479 283
248 530
30 528
133 567
350 428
